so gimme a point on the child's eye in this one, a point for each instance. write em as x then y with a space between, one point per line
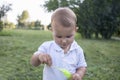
68 36
59 36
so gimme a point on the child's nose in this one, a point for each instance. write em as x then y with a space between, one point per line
64 40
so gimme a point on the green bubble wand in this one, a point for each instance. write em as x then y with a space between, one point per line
67 74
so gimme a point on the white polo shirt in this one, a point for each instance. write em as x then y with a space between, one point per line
70 61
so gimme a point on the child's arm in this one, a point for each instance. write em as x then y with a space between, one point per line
37 59
79 73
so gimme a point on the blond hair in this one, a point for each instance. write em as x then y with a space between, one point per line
64 16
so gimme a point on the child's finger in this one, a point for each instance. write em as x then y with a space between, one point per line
49 60
42 58
45 59
76 76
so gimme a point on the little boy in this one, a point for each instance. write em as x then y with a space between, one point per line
63 52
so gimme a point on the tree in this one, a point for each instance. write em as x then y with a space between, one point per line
1 25
38 25
85 16
94 16
23 19
75 5
106 14
3 10
31 24
64 3
49 5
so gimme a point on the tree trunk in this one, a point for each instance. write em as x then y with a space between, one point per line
96 35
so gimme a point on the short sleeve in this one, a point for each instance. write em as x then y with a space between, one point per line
42 49
81 59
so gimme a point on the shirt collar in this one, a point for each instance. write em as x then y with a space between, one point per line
72 47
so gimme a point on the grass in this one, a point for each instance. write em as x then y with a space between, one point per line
103 58
17 47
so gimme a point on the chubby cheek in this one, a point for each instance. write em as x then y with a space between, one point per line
70 40
58 41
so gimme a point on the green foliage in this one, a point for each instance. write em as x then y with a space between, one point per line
64 3
23 18
16 49
99 17
117 33
9 25
3 10
94 16
1 25
38 25
49 5
108 15
25 15
84 19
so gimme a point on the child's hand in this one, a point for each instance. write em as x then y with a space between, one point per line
45 58
76 76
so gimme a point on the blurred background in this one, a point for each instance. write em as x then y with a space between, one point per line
25 24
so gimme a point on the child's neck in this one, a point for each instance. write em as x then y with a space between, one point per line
66 49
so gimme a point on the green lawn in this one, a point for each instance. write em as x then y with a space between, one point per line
17 47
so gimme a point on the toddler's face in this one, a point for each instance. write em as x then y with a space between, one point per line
63 36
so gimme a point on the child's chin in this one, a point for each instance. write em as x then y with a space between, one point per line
64 47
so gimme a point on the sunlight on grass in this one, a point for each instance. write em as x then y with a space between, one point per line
17 47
